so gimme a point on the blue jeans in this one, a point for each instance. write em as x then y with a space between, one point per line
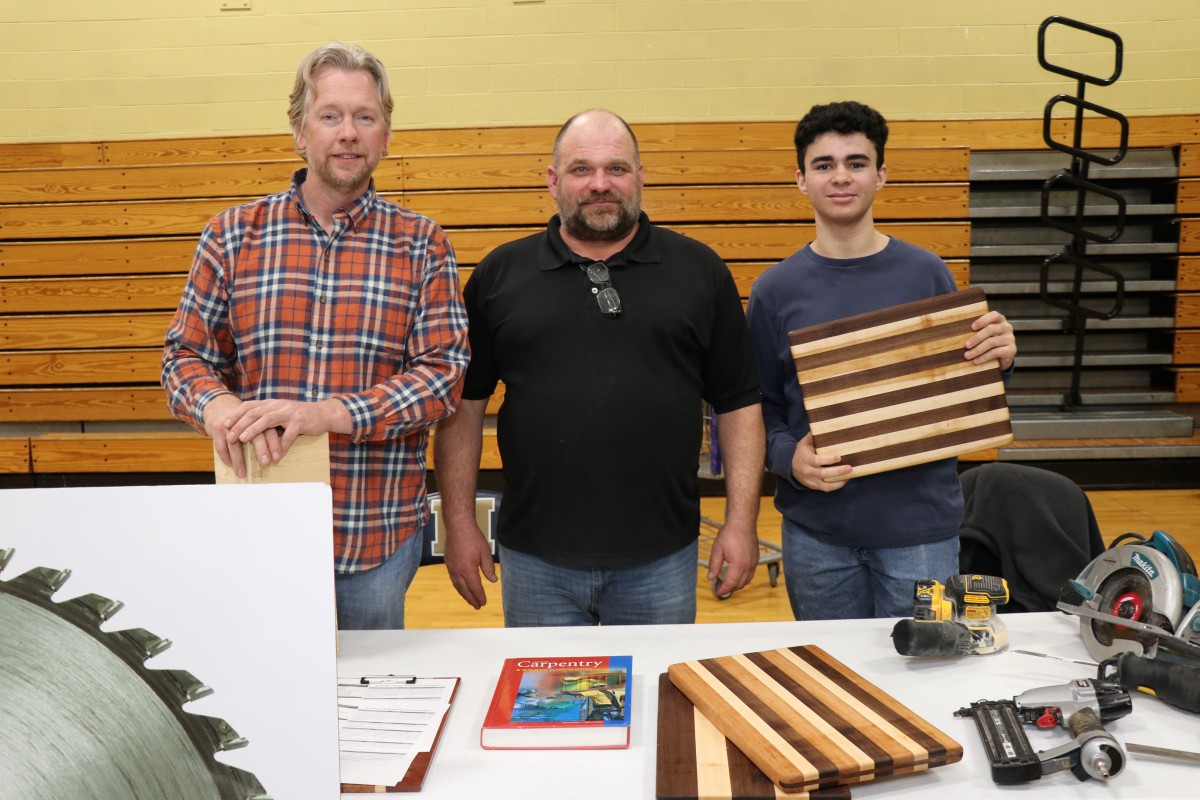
536 592
831 581
374 599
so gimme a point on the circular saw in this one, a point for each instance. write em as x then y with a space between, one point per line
84 718
1138 597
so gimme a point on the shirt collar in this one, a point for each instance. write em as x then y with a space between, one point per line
555 253
356 212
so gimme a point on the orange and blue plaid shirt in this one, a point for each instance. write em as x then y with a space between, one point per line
370 314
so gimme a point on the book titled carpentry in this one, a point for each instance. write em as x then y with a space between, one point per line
561 703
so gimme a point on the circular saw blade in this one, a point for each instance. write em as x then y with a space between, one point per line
84 717
1126 593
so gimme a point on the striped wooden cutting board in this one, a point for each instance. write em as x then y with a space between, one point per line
890 388
697 762
808 721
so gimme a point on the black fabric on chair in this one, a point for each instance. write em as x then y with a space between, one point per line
1030 526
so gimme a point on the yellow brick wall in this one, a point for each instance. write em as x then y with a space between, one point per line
102 69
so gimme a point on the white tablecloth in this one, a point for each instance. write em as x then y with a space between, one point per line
933 688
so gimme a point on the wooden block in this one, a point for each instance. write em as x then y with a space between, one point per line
14 456
1187 311
695 760
37 155
98 257
1187 347
1189 235
890 388
1188 199
94 404
121 452
1189 160
808 721
306 461
93 293
72 367
51 331
1187 385
1188 279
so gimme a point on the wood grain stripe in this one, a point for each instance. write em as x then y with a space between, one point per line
903 415
696 761
931 307
913 427
927 365
915 383
930 738
882 395
984 436
935 338
795 762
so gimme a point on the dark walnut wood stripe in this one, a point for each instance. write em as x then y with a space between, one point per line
675 770
885 316
897 425
909 394
947 336
954 439
890 372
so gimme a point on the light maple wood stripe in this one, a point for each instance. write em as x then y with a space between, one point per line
746 729
923 378
861 716
712 762
908 313
918 433
880 332
894 358
862 470
899 410
853 757
898 709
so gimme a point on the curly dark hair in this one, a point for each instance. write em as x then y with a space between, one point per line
845 117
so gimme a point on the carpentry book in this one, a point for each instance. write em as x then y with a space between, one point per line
569 702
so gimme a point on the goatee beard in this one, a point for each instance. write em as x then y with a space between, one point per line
610 229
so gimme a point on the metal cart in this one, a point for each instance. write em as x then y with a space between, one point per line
710 468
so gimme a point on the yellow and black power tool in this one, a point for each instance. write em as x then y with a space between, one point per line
958 618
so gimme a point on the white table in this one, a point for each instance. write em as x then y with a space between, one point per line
933 688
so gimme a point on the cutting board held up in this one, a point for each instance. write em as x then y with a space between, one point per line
891 388
808 721
696 761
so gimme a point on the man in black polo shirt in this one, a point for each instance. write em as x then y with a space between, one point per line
607 333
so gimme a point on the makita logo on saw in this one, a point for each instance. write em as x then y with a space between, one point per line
1144 565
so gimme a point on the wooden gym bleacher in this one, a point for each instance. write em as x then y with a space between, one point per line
96 239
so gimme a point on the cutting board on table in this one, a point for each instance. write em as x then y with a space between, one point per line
808 721
696 761
891 388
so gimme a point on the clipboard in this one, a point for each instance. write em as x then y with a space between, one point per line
415 777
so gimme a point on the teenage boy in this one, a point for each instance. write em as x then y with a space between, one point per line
853 548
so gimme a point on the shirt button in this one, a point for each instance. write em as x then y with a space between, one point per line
321 299
312 393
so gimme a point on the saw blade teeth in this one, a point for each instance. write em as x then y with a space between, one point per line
98 607
245 785
224 737
42 581
146 643
186 686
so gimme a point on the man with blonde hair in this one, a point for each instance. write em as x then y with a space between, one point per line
327 309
